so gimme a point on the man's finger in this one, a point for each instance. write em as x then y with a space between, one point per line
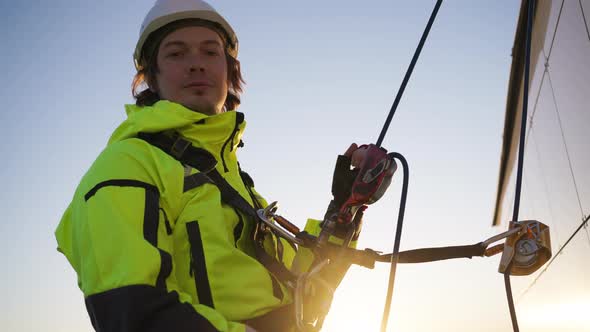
353 147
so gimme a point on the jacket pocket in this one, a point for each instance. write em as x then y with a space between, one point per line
198 268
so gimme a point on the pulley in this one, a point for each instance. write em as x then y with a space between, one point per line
528 249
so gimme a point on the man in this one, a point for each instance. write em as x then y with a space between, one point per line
161 230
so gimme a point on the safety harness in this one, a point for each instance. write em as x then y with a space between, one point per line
200 159
203 161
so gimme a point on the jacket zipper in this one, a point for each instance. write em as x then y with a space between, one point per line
166 222
239 120
238 228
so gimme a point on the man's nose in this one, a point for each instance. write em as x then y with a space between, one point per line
196 67
196 64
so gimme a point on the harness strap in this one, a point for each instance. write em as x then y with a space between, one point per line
368 257
200 159
181 150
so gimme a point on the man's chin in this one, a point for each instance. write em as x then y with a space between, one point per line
201 107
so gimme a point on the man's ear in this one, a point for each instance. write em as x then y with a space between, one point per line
152 85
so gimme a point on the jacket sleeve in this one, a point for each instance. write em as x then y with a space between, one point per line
114 235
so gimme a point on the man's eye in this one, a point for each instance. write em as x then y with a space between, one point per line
174 54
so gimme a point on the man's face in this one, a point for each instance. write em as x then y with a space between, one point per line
192 69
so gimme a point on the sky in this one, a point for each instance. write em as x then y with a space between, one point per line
320 75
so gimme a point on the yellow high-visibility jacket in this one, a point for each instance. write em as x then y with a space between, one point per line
155 254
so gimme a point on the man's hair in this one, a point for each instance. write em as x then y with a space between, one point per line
148 65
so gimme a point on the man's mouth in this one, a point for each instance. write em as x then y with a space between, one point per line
198 84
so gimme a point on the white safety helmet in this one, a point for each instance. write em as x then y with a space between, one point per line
167 11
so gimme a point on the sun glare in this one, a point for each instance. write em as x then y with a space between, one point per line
558 316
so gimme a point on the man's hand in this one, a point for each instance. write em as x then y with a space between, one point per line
356 154
365 183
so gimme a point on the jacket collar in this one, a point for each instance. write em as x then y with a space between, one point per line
219 134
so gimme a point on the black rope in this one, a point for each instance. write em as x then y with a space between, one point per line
524 111
400 219
398 235
400 92
530 12
510 298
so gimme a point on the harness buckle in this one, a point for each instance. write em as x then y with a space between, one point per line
179 146
270 220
